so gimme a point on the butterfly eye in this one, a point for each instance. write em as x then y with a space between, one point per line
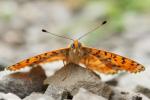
72 46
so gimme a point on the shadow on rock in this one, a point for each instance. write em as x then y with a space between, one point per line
24 83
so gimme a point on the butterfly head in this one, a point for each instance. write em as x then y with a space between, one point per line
75 46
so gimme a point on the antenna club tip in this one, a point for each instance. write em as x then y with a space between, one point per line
104 22
43 30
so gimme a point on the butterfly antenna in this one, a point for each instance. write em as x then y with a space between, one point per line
45 31
104 22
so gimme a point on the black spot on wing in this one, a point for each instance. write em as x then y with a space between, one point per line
123 60
28 60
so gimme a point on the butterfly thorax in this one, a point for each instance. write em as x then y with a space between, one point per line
75 52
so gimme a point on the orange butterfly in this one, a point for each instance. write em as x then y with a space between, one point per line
94 59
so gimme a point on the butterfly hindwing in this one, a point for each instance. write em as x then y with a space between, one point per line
115 61
93 63
42 58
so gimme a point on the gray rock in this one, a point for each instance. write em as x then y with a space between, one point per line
3 64
121 94
69 79
8 96
23 83
85 95
2 67
59 93
145 91
38 96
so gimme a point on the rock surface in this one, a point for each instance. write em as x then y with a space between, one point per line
73 77
38 96
122 94
145 91
8 96
23 83
85 95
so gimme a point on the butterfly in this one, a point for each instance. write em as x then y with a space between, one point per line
94 59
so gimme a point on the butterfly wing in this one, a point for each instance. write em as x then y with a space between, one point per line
114 61
42 58
93 63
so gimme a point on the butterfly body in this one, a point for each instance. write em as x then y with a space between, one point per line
76 52
94 59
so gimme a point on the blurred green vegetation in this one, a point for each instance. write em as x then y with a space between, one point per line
115 12
117 9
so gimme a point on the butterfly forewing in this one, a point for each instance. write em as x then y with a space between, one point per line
114 61
42 58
